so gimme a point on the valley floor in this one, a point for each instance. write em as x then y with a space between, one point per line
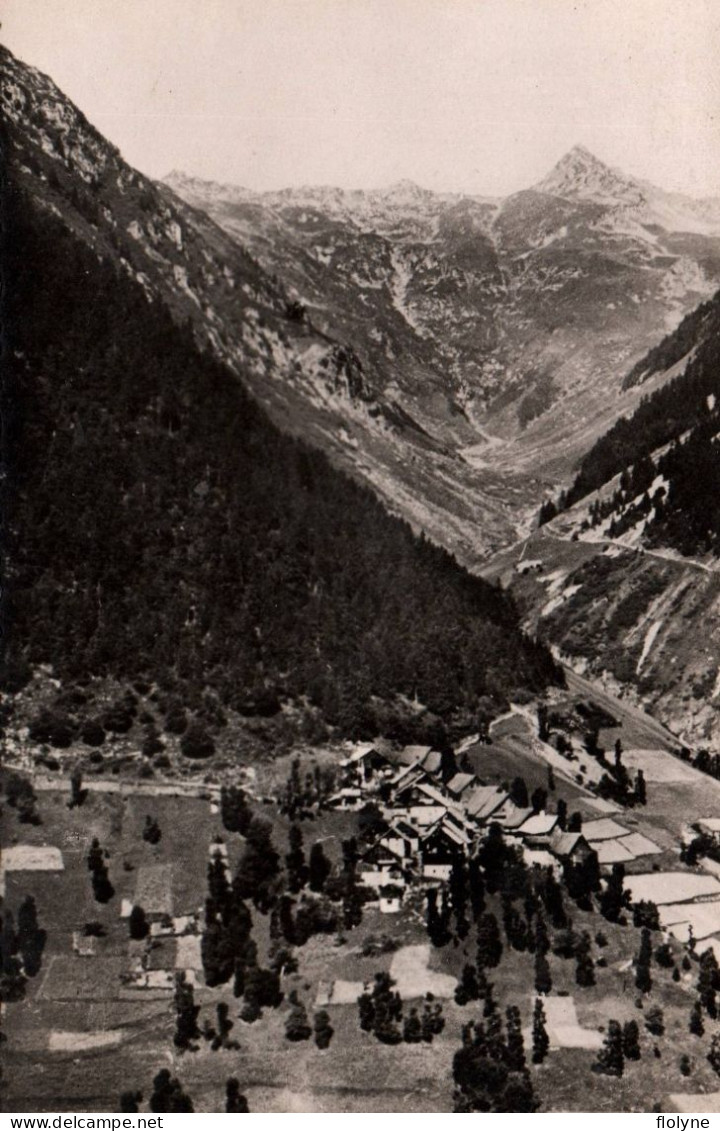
87 1031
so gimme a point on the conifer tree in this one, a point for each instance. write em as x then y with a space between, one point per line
297 1026
186 1014
515 1054
631 1040
643 980
610 1059
168 1095
540 1039
31 937
138 924
489 943
235 1102
467 988
130 1101
543 978
412 1028
295 865
585 968
322 1028
319 869
696 1025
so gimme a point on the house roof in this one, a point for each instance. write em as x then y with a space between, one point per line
449 829
407 776
603 829
640 845
358 754
612 852
459 782
514 818
426 815
431 762
415 753
539 824
435 795
562 844
484 800
405 829
711 824
538 856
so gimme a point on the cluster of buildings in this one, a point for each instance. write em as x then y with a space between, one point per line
434 819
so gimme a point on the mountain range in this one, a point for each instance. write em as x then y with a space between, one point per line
505 327
465 357
160 531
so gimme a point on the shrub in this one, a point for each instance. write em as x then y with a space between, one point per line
196 742
92 732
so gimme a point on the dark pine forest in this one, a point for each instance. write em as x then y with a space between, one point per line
158 526
684 416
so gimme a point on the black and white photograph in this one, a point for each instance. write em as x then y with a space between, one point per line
360 526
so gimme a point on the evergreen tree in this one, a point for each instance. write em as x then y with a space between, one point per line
538 800
219 890
585 967
489 943
562 814
152 832
515 1053
540 1039
186 1014
708 983
713 1055
130 1101
610 1059
458 884
295 860
323 1029
258 868
640 790
467 988
168 1095
235 1102
543 978
319 868
412 1028
77 793
101 885
138 924
477 888
643 980
235 812
614 898
655 1021
366 1008
519 793
31 937
297 1026
95 855
631 1040
696 1025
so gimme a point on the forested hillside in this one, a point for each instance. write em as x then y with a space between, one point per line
158 525
675 495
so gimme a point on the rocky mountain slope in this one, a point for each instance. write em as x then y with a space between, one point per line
308 376
625 581
160 532
506 325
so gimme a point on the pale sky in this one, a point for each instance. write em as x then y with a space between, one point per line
478 96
